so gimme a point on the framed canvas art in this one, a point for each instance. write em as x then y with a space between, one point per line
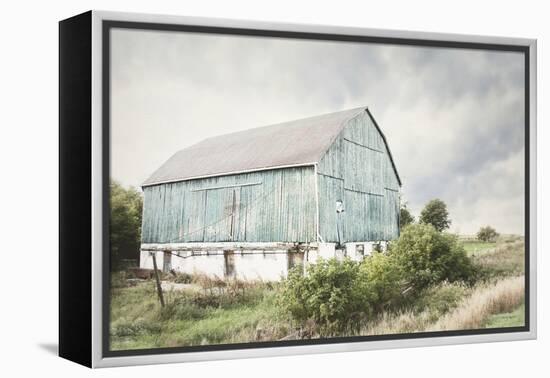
234 189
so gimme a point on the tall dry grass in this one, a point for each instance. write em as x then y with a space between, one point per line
504 296
404 322
485 300
507 259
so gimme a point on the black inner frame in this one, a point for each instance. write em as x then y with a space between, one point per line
107 25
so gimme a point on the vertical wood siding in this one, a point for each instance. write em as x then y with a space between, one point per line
357 170
268 206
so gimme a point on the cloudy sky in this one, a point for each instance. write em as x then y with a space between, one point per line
453 118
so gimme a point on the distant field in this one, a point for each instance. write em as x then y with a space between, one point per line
249 312
473 247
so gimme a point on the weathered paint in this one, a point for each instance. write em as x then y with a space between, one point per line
268 206
357 170
284 205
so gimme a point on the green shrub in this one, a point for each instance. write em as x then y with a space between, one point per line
329 294
337 296
440 299
426 257
380 275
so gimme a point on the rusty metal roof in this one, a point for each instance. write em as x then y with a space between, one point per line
294 143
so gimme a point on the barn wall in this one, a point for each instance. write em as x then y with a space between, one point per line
358 171
267 206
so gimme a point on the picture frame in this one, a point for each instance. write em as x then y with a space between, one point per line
85 150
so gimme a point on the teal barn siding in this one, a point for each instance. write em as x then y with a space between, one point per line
266 206
357 169
295 173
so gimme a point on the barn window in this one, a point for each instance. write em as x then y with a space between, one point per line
360 250
229 264
295 259
167 261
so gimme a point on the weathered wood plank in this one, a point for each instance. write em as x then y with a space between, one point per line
360 162
280 206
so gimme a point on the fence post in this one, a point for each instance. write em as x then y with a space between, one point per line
157 279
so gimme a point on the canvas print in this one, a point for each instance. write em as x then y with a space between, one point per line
267 190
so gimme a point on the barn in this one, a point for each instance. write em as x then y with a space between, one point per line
255 203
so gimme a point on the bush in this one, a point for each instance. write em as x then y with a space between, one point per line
487 234
380 276
440 299
426 257
330 295
336 297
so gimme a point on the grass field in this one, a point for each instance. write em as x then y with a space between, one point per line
193 317
249 312
507 319
473 247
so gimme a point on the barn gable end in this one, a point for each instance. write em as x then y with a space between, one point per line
358 170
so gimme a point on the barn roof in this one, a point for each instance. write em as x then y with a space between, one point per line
296 143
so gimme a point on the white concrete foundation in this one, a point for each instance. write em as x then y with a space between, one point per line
268 264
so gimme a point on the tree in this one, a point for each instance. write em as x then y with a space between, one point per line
435 213
427 257
405 216
125 223
487 234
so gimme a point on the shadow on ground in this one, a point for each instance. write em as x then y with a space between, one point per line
50 348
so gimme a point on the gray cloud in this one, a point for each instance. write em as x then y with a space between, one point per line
453 118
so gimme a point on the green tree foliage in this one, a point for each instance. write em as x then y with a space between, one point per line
426 256
487 234
435 213
405 216
125 223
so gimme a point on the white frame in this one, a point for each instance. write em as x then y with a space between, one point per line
97 357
